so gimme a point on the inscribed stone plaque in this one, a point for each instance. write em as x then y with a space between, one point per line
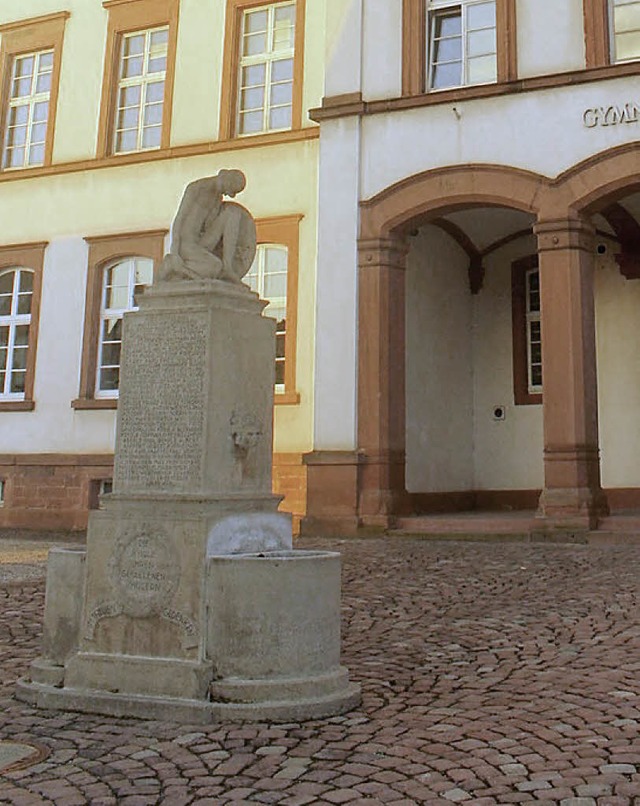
162 403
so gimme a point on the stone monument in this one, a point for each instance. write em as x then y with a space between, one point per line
189 602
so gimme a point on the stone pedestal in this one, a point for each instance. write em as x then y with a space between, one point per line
192 480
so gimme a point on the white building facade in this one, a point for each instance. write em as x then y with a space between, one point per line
478 261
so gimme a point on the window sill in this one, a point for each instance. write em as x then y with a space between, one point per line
286 398
526 399
17 405
86 404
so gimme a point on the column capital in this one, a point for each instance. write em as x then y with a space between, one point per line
388 252
564 233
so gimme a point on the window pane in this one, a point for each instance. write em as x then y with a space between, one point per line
19 115
21 338
15 158
280 118
112 329
36 155
448 50
111 354
155 91
19 358
5 305
16 136
252 98
21 87
153 114
128 118
275 285
109 379
46 61
151 137
281 94
160 39
251 122
482 70
255 21
38 132
4 336
628 45
280 373
126 141
43 84
275 259
17 381
157 64
447 25
447 75
130 96
132 67
40 111
6 282
24 66
480 43
3 361
282 70
626 18
24 303
254 44
144 272
133 45
253 76
481 15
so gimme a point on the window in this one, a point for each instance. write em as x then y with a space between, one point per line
119 266
20 284
29 71
625 30
274 275
527 331
143 66
29 97
262 88
122 282
137 90
457 43
462 43
268 276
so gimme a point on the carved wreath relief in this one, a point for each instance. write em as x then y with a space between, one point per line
144 574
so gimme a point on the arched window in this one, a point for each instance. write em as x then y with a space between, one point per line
16 295
268 277
122 281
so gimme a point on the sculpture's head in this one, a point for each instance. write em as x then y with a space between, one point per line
231 182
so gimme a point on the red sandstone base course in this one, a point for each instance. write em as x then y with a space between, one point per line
491 673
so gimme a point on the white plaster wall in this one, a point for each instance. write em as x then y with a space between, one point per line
382 49
618 337
509 453
336 295
343 50
550 36
198 76
541 131
439 383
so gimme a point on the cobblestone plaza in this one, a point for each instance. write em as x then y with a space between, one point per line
491 673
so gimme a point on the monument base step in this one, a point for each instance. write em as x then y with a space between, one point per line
239 690
193 712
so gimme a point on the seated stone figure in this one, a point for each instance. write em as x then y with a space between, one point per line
211 239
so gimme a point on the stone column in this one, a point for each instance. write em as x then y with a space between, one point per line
572 497
381 379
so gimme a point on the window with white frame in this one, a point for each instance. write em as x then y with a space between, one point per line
16 295
534 332
266 78
462 47
625 30
28 110
140 95
122 282
268 277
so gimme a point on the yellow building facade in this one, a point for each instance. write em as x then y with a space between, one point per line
108 111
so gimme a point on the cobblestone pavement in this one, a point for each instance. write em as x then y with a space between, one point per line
492 673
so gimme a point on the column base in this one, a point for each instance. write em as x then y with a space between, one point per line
571 509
